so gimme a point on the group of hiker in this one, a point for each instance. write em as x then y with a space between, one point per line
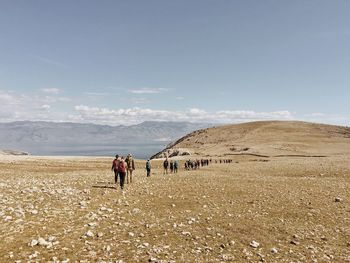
172 165
196 164
224 161
123 168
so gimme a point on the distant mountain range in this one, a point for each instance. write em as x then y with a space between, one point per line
51 138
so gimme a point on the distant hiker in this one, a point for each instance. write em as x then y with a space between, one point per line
122 172
165 166
176 166
130 167
171 167
148 168
115 168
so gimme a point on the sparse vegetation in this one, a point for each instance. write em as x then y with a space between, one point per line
260 207
210 215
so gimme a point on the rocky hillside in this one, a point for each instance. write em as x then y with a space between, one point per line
266 138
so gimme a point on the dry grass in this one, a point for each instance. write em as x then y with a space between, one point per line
190 217
271 138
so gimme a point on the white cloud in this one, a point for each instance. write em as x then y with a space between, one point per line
14 106
137 115
46 107
147 90
51 90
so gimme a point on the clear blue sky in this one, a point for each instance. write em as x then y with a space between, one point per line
122 62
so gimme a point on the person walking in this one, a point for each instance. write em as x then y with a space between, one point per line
148 168
122 172
130 163
171 167
176 166
165 166
115 168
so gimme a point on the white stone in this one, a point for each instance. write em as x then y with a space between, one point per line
8 218
338 199
89 234
34 242
254 244
51 238
274 250
43 242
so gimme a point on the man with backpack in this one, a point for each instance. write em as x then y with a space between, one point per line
122 171
165 166
115 168
130 163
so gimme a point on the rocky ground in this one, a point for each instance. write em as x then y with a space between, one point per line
252 210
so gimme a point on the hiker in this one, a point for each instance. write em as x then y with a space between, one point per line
148 168
130 167
165 166
171 166
176 166
115 168
122 172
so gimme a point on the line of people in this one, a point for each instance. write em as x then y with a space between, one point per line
123 167
196 164
172 165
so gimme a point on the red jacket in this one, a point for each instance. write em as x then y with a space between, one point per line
115 164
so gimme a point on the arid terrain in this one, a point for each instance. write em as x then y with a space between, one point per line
266 138
268 208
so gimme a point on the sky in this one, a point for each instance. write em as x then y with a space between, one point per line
219 61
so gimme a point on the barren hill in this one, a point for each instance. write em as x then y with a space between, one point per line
266 138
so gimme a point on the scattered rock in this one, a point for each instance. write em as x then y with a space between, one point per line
254 244
274 250
34 242
89 234
338 199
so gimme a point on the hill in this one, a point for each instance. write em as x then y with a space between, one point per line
12 152
50 138
265 138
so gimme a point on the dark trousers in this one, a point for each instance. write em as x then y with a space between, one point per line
116 176
122 179
148 172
